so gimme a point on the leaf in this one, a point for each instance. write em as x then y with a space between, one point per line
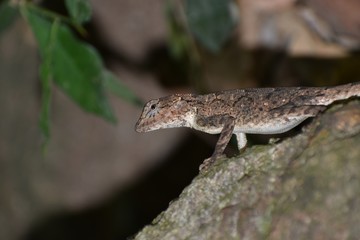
7 15
79 10
45 101
76 67
179 39
210 21
46 76
115 86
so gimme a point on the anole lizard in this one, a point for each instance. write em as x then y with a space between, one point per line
253 110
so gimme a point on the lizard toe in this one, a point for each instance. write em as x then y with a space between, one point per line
208 162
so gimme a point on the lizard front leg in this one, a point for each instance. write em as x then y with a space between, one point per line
221 144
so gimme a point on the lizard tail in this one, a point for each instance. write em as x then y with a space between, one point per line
346 91
341 92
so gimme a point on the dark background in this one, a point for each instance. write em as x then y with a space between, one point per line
103 181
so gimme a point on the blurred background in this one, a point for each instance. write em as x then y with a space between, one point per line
75 174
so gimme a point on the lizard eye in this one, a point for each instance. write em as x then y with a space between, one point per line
152 109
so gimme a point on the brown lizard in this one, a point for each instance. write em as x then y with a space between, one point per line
241 111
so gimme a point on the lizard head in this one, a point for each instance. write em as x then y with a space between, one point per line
167 112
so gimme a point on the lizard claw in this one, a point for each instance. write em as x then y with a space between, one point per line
208 162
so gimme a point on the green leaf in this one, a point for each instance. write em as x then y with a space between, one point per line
210 21
119 89
45 101
179 39
46 76
76 67
79 10
7 15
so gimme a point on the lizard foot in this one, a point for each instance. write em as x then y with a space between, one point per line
209 162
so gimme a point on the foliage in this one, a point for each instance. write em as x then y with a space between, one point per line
210 21
73 65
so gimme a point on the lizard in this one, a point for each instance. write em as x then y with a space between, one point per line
241 111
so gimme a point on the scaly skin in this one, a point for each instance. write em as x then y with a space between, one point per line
241 111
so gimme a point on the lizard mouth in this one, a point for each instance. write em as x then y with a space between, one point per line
139 127
145 125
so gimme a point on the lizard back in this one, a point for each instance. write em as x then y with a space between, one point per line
267 110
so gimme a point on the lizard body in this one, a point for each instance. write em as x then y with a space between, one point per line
241 111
